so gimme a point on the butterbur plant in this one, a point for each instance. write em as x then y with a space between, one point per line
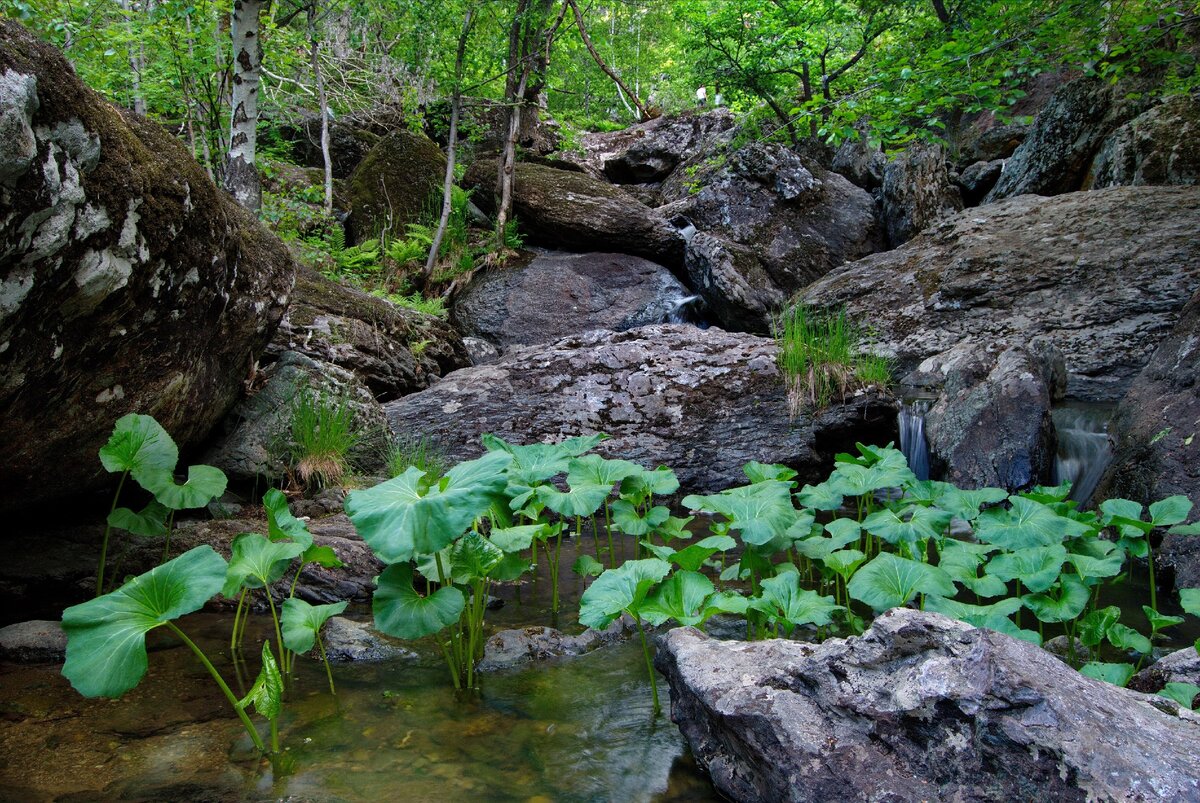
141 448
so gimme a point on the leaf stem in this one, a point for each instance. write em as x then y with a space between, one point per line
649 664
325 660
107 530
212 670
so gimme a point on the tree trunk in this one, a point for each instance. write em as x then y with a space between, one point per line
137 60
241 173
455 110
314 50
587 41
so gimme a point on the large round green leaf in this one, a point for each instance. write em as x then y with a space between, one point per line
761 511
139 444
474 557
889 581
620 590
1171 510
912 525
578 501
301 622
783 600
281 524
592 469
256 561
625 517
400 611
1037 567
150 521
204 484
1063 601
1026 524
266 695
681 597
106 636
967 504
400 520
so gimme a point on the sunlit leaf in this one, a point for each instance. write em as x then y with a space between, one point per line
301 622
1026 524
1182 693
889 581
620 590
204 484
400 611
1037 567
255 562
1062 602
681 597
266 694
281 524
138 444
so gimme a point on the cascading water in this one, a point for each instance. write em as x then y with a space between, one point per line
687 310
912 435
1084 448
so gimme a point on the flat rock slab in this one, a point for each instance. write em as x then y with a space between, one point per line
920 707
36 642
510 648
703 402
1103 275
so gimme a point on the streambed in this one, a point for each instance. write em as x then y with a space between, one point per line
568 729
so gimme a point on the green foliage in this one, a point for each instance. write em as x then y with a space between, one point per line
323 434
420 451
821 358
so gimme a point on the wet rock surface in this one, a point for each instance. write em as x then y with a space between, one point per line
1157 453
920 707
548 295
128 281
1102 275
347 640
572 211
512 648
703 402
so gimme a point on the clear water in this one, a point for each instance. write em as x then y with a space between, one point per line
571 729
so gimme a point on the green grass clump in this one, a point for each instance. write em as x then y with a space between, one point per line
821 358
322 435
422 452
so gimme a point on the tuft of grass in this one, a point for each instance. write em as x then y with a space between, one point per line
422 452
323 434
435 306
822 359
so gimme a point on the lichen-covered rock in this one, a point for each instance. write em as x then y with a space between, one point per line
920 707
1160 146
348 641
393 185
1101 274
573 211
703 402
128 281
797 223
916 192
349 143
548 295
652 150
977 179
391 349
1157 452
511 648
991 423
1055 154
859 161
258 445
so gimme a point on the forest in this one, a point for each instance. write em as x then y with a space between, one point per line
651 400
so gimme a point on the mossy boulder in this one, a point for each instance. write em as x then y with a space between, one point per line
1161 146
128 280
394 185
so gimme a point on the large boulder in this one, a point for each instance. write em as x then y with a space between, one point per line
128 281
649 152
573 211
916 192
391 349
1157 453
394 185
548 295
733 282
797 223
1054 156
990 425
920 707
703 402
349 143
1102 275
1160 146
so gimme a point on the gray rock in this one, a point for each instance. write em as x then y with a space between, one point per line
650 151
991 423
36 642
1102 275
997 143
348 641
545 296
703 402
128 281
510 648
481 351
797 223
258 442
349 143
858 161
916 192
391 349
1055 155
1181 666
733 282
1156 453
1160 146
573 211
977 180
920 707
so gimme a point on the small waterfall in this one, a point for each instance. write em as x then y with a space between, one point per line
912 435
1084 448
687 310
